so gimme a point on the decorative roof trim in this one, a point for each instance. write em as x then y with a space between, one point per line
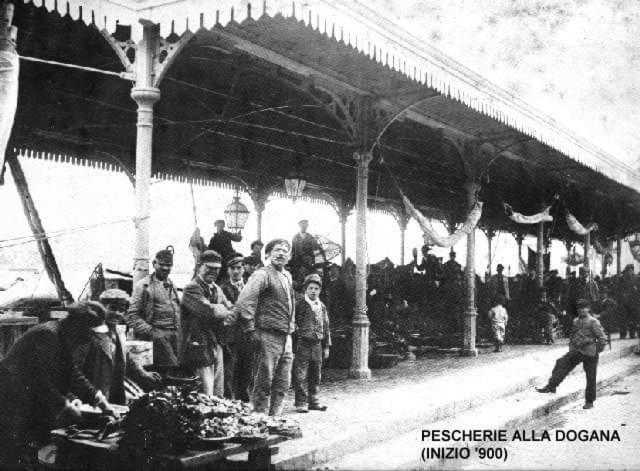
353 23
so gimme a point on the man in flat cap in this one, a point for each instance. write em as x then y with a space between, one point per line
586 342
154 312
237 353
499 284
266 309
103 358
204 311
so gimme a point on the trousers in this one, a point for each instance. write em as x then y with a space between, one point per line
212 376
272 371
307 370
566 363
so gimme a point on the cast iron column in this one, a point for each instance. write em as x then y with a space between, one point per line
470 313
519 240
343 214
619 256
490 235
145 95
360 354
540 256
587 262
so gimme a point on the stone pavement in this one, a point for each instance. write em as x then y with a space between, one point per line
414 394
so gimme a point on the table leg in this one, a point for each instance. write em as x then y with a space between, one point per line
260 459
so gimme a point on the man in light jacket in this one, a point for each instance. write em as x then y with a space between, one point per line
266 310
586 342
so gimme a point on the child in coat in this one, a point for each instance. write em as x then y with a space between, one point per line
313 342
499 318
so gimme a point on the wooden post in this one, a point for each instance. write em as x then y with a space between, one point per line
35 223
540 256
145 95
360 353
470 313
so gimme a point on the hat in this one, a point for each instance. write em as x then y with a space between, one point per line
211 258
218 221
500 266
234 258
114 294
165 255
582 303
87 313
313 278
257 242
303 220
629 267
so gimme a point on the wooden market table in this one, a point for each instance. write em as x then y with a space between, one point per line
79 453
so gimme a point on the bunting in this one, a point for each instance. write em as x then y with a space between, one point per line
430 237
578 228
543 216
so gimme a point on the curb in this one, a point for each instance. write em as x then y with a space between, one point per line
386 430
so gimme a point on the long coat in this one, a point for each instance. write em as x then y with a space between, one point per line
35 376
203 310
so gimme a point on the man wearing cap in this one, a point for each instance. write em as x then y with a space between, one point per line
154 313
204 311
221 240
237 354
266 311
312 347
499 284
302 251
586 342
103 359
628 301
36 376
256 252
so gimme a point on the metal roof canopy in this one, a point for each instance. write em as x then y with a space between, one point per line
246 102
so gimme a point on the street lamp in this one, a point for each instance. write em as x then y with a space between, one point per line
294 184
236 214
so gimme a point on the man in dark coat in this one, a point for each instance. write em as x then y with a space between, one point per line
237 350
35 378
303 247
204 310
586 342
103 359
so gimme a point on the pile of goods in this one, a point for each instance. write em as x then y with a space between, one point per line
172 420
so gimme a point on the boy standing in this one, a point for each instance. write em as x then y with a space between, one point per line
314 340
499 318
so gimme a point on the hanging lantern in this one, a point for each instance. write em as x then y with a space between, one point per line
236 214
294 184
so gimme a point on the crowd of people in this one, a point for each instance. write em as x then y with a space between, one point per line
249 326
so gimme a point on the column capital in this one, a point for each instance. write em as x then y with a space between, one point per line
363 158
145 96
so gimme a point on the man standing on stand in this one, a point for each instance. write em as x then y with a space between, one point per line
221 243
266 309
586 342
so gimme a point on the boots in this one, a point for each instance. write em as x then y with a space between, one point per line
546 389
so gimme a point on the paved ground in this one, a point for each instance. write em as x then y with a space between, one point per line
617 409
531 414
413 394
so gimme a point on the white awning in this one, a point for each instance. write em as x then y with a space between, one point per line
383 41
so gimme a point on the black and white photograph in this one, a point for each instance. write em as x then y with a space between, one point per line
319 235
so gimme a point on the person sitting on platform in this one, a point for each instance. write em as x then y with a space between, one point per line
103 359
586 342
499 318
313 343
